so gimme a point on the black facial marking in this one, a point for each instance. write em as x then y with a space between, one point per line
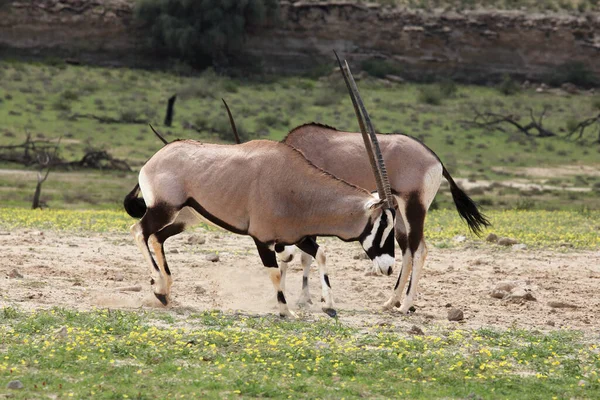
326 278
279 248
388 246
331 312
162 298
289 259
281 297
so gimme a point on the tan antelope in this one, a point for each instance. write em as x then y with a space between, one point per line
263 189
415 176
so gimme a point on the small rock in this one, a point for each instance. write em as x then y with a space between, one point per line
561 304
504 241
199 289
361 256
196 239
61 332
520 246
119 277
448 305
567 245
415 330
506 286
455 314
394 78
212 257
174 251
459 238
15 274
519 295
135 288
15 385
498 294
550 323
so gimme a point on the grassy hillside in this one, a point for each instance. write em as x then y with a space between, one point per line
52 101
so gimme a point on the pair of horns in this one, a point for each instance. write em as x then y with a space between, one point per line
369 136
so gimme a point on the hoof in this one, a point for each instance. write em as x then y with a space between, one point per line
411 310
331 312
162 298
304 303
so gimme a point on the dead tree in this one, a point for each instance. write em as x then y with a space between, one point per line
170 110
45 161
535 128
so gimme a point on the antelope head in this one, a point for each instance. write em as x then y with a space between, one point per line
378 237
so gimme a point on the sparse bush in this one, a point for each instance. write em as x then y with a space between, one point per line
573 72
129 115
201 32
69 95
525 204
230 86
448 88
430 94
596 102
380 68
508 87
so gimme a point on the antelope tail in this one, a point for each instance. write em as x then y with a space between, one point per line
135 206
466 207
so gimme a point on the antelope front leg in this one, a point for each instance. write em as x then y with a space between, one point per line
310 246
306 260
160 285
418 262
269 260
407 266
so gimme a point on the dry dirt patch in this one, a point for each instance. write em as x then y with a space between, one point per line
86 271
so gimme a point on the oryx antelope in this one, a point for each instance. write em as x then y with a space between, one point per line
263 189
415 173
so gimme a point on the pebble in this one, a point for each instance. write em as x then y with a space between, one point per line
504 241
15 274
199 290
119 277
15 385
196 239
520 246
492 238
212 257
455 314
415 330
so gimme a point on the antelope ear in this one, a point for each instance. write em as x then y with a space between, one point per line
374 204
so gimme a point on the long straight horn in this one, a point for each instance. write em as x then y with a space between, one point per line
232 122
158 134
371 142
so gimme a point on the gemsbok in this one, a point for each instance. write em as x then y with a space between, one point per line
415 176
263 189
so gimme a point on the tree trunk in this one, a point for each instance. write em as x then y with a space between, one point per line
36 196
170 110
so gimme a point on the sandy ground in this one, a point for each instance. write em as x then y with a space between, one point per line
85 272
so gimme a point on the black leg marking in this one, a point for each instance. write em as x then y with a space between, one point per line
268 257
155 219
399 277
410 283
326 277
402 240
415 214
309 246
281 297
304 282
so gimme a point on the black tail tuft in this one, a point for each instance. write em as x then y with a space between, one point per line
135 206
466 207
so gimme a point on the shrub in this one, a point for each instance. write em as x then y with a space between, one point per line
448 88
201 32
574 72
380 68
430 94
508 87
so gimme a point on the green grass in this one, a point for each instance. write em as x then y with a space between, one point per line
533 228
110 354
43 100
